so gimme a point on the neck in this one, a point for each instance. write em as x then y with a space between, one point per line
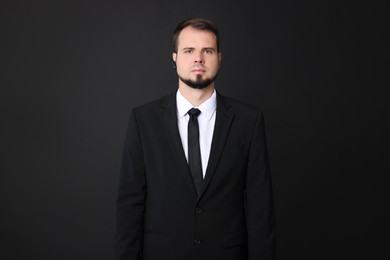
196 96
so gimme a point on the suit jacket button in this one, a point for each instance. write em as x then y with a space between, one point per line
196 241
198 210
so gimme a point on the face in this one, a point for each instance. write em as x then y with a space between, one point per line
197 59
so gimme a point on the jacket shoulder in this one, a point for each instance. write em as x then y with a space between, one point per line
238 106
152 106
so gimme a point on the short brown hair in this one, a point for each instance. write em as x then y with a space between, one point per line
196 23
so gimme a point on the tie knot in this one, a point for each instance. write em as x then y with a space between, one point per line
194 112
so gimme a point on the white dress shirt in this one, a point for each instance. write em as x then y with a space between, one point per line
206 121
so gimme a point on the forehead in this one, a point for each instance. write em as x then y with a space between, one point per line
190 37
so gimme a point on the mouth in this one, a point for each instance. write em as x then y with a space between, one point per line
198 70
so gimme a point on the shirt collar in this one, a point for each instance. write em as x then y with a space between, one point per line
207 108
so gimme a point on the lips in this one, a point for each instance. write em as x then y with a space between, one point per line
198 70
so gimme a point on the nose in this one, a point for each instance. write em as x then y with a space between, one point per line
199 58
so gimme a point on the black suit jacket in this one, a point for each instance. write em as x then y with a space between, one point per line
159 215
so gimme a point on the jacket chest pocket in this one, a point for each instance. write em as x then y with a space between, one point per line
233 148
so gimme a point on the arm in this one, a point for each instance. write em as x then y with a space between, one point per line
131 197
259 203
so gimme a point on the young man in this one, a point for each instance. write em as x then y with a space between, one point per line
195 180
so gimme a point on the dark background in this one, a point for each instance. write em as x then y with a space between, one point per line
72 70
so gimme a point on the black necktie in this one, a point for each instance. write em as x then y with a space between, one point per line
194 159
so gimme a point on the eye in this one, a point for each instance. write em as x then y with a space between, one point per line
188 51
209 51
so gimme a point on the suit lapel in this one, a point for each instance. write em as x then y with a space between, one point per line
169 121
223 122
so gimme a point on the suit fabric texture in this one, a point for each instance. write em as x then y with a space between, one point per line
160 216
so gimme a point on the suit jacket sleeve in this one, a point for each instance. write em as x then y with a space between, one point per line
131 197
259 203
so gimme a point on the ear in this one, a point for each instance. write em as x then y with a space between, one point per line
174 60
219 58
174 54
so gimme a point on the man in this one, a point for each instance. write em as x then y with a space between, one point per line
195 181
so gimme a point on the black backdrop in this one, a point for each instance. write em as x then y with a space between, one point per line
72 70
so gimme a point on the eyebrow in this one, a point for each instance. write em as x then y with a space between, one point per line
192 48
